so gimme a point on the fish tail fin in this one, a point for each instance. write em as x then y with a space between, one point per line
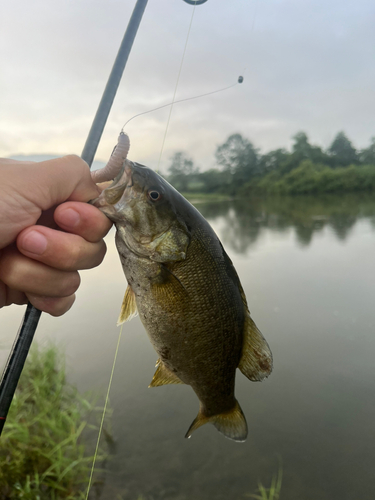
231 423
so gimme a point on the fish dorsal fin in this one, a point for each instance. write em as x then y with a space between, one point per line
128 307
231 423
256 359
164 376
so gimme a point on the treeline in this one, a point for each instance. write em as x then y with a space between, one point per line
306 168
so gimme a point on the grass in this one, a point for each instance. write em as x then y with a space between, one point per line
42 450
206 197
271 493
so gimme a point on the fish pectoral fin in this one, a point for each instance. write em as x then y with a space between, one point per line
231 423
128 307
168 290
164 376
256 359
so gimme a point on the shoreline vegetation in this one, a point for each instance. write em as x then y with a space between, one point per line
306 169
43 448
44 445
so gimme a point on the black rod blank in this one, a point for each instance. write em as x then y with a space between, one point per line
21 346
16 360
109 93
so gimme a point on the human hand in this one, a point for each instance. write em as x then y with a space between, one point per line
43 247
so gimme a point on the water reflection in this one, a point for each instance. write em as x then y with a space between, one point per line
314 304
244 221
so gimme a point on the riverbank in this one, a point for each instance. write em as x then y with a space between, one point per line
44 446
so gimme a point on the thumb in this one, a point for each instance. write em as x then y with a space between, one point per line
27 189
52 182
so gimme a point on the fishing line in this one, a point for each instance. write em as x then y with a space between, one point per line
182 100
119 337
240 80
175 90
104 412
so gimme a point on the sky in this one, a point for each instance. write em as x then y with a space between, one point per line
307 65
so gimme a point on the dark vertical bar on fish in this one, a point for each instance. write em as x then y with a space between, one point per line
21 346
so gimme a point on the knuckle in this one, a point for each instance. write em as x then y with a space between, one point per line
73 256
69 284
9 268
100 254
60 307
77 161
52 305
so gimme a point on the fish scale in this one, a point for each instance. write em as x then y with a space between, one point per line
188 296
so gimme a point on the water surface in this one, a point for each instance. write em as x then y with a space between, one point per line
307 266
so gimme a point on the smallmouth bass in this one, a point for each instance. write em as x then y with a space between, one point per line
187 293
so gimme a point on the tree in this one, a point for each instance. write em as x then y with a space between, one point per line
273 160
215 180
302 150
181 171
239 157
367 156
342 151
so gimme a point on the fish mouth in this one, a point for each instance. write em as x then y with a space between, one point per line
117 194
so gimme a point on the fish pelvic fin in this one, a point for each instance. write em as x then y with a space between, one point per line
128 307
231 423
164 376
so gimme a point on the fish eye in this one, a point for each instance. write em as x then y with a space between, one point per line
154 195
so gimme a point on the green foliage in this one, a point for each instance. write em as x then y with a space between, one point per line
273 160
182 171
205 197
239 159
367 155
215 181
342 151
316 178
271 493
306 169
42 453
302 150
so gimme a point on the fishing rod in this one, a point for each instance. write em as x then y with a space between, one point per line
25 335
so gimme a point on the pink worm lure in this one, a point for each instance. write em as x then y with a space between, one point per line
109 172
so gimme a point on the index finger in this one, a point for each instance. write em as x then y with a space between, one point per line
82 219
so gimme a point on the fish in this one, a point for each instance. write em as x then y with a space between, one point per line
188 296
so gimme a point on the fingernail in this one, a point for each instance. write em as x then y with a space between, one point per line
34 242
70 217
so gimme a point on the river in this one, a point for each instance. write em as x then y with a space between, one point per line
308 269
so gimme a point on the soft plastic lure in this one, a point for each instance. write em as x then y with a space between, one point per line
115 162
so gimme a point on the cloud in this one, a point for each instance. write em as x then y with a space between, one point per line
308 67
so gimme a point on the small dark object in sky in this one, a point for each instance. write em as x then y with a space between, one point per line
240 79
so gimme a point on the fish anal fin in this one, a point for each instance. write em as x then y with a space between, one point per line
256 359
128 307
164 376
232 424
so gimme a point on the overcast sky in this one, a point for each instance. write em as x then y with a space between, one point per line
308 65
